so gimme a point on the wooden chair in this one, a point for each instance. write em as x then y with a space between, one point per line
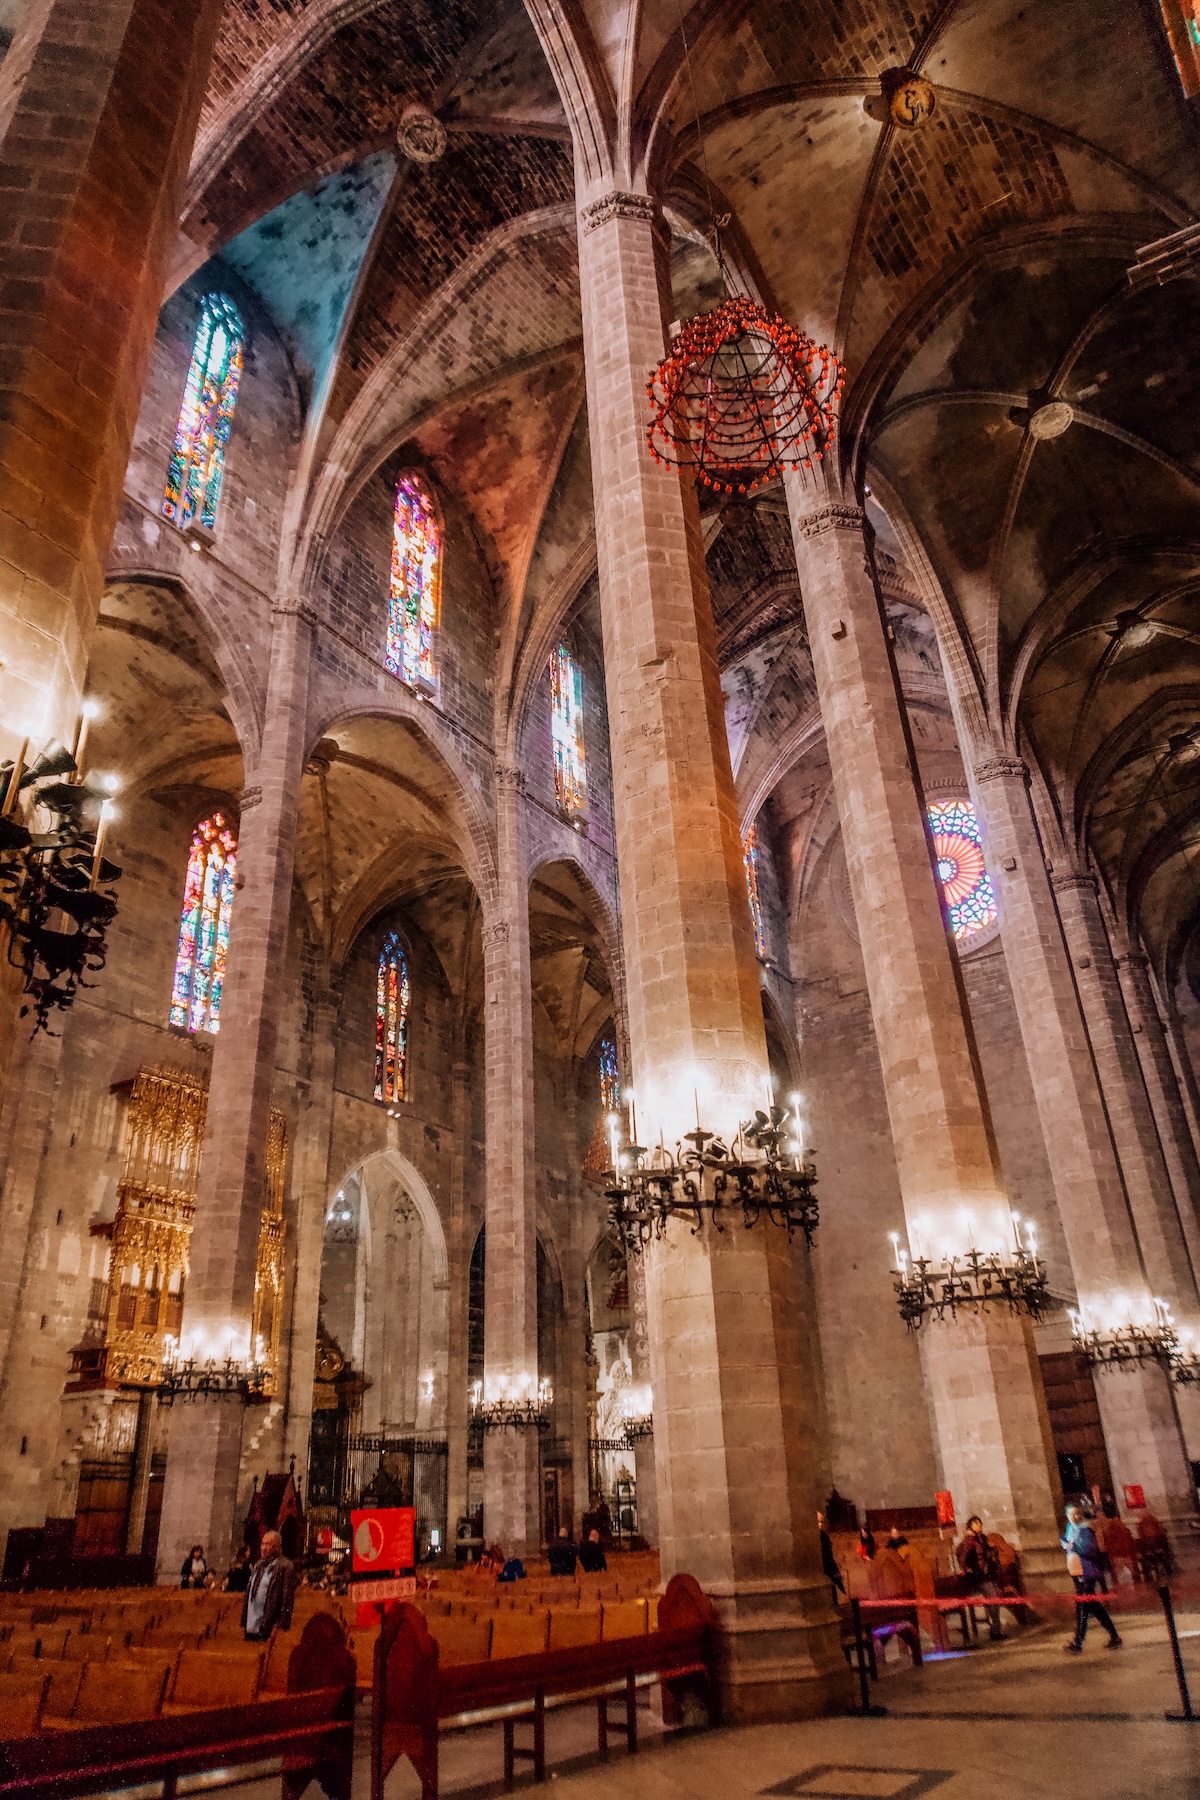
64 1679
120 1693
210 1678
623 1618
22 1703
519 1634
461 1640
570 1630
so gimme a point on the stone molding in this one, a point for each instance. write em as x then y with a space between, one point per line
496 935
302 610
509 779
1071 882
837 517
1132 959
618 205
250 796
1002 768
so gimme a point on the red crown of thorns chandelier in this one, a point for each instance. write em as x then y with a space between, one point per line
742 396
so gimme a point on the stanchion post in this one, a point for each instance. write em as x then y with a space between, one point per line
1187 1716
860 1655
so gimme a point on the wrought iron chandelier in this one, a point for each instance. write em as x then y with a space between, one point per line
189 1380
740 396
638 1408
759 1176
974 1281
57 918
1185 1363
512 1406
1132 1341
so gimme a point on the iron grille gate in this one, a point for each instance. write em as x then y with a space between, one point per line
396 1471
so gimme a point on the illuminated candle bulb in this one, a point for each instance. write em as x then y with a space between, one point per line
101 834
696 1098
632 1120
894 1237
14 779
916 1240
87 713
1016 1225
1031 1236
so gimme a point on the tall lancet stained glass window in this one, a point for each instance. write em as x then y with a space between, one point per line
206 416
610 1076
416 584
204 927
392 995
566 732
1182 20
958 846
750 855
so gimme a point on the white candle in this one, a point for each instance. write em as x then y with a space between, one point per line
14 779
101 834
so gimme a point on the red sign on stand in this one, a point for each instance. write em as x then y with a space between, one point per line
945 1508
383 1548
1135 1494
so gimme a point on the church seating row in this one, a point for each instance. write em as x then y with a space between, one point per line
122 1732
417 1690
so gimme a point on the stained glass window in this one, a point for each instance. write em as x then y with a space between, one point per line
204 927
206 416
958 845
610 1076
1182 20
750 860
416 584
566 731
392 996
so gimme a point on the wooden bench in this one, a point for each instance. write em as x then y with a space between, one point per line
311 1729
415 1693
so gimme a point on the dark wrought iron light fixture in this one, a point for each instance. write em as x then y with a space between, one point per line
190 1380
759 1175
50 880
512 1405
1125 1341
1185 1362
972 1282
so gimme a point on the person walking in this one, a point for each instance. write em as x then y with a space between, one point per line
980 1563
194 1569
1085 1565
271 1593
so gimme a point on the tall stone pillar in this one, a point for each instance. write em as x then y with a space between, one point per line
1166 1100
98 107
1137 1405
511 1474
1157 1221
1185 1071
458 1257
734 1441
993 1431
205 1443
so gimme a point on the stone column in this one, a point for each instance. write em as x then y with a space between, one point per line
511 1476
1123 1090
1166 1101
992 1427
1141 1425
98 107
1185 1071
458 1256
205 1444
735 1443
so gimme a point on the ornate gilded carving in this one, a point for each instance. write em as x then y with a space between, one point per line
152 1232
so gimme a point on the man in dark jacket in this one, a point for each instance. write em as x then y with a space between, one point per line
271 1593
1085 1564
981 1565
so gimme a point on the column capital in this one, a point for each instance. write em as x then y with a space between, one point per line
299 609
1132 959
837 516
1071 881
496 935
619 205
1002 768
509 779
250 796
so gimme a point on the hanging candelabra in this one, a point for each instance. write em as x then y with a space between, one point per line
1185 1361
1124 1340
969 1280
521 1404
52 871
761 1175
638 1409
740 396
189 1378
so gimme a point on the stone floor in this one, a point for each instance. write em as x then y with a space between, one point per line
1011 1719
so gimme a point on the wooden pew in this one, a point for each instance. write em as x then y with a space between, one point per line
415 1692
311 1728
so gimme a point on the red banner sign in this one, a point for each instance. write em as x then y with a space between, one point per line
1135 1494
383 1540
945 1507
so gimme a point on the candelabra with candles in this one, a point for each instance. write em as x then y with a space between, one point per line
760 1174
188 1378
637 1406
1125 1340
972 1280
1185 1363
523 1404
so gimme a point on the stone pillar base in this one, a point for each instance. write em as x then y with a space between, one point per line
779 1653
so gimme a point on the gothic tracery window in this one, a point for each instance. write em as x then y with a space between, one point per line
392 995
206 416
958 846
750 861
204 927
566 732
415 585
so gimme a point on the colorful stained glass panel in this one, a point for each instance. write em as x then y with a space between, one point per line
566 731
1182 20
750 855
204 927
966 884
392 995
206 416
610 1076
416 585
